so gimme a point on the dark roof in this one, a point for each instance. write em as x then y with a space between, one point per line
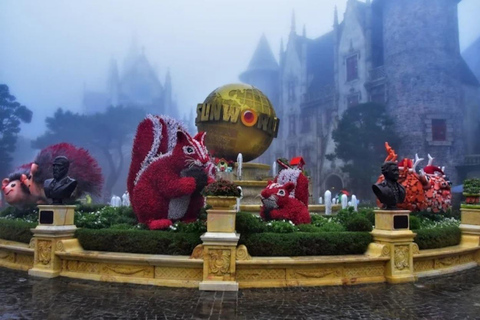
320 62
472 57
263 58
465 73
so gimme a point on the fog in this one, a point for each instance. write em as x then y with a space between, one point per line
51 50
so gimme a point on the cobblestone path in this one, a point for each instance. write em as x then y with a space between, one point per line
447 297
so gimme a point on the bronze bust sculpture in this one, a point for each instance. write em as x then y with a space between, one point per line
389 192
61 186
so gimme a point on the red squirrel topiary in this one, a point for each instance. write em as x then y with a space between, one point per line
169 169
278 204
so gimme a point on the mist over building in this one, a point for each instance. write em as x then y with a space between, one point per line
136 83
404 54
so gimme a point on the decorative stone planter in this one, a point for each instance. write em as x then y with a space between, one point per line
221 202
220 246
221 217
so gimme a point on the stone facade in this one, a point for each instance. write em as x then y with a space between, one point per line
403 53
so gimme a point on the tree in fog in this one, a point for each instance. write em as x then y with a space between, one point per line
360 143
104 134
12 113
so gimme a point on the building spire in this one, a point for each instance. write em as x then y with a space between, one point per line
293 27
335 17
304 32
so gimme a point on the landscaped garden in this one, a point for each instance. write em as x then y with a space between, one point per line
116 229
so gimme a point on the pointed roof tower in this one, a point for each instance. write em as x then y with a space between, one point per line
335 17
293 27
113 83
262 58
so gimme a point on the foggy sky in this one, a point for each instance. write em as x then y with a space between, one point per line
50 49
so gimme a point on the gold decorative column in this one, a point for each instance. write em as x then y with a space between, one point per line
470 225
219 251
392 231
55 224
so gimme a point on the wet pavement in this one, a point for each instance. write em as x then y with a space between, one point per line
446 297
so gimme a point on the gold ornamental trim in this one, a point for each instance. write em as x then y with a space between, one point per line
221 202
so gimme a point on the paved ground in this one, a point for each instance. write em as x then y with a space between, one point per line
447 297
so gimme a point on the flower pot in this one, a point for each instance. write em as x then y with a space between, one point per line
221 202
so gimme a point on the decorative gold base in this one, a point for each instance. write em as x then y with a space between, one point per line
42 273
56 215
400 278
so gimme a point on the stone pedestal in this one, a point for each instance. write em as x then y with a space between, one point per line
55 224
392 231
470 225
219 252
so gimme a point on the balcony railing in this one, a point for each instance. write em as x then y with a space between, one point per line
377 74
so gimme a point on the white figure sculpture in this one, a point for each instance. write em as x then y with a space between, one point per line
126 199
115 201
328 202
239 166
344 201
354 203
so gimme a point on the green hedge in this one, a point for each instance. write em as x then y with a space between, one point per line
15 230
306 244
138 241
438 237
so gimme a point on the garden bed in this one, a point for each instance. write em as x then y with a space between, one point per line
116 230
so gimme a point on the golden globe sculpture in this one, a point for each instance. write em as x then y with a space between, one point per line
238 118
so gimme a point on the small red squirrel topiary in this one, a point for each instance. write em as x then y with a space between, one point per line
169 169
277 204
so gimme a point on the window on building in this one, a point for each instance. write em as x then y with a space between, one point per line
291 124
291 90
353 99
439 129
352 68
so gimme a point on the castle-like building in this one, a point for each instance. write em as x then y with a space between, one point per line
402 53
137 84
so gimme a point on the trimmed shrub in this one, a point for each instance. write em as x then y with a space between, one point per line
345 215
104 217
414 223
358 223
308 228
138 241
332 226
249 223
91 207
306 244
15 230
29 214
438 237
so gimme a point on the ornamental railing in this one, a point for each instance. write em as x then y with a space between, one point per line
377 73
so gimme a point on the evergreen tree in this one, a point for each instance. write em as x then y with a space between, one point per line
360 143
12 114
108 136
